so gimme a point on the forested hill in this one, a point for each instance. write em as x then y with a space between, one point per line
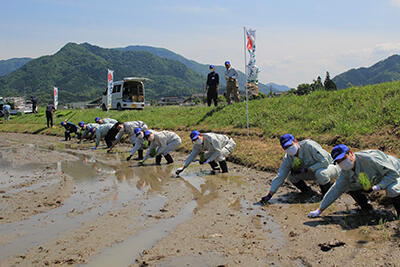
80 71
384 71
12 64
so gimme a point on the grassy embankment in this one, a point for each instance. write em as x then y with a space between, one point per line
362 117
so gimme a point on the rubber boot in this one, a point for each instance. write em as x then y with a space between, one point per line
224 166
158 160
361 200
140 154
214 166
302 186
324 188
168 158
396 204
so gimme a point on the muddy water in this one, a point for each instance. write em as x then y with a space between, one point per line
150 200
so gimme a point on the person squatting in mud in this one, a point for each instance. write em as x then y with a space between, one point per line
129 129
70 128
85 129
139 145
100 132
161 144
363 171
304 160
216 146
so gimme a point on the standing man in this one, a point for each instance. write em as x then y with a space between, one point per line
129 129
212 86
50 109
232 84
304 160
367 170
6 111
34 104
161 144
70 128
216 146
105 120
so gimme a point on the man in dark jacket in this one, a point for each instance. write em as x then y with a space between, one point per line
34 104
212 86
50 109
70 128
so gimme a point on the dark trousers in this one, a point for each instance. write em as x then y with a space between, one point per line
34 108
68 134
49 117
212 95
110 136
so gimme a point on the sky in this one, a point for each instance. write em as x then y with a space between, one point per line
296 40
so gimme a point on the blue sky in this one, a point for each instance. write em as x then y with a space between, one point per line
297 40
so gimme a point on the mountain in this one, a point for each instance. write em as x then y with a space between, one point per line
202 69
80 70
10 65
384 71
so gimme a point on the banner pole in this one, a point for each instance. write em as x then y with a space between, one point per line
245 84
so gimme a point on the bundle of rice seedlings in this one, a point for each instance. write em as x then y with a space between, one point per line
364 181
297 164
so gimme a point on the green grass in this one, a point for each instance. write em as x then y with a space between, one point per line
361 117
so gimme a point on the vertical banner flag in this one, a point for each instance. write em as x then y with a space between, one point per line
110 78
55 97
251 68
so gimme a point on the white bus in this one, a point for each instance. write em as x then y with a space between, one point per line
126 94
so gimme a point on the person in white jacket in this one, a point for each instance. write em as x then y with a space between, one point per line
161 144
216 147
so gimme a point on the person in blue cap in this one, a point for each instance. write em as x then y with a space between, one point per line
368 171
304 160
105 120
212 86
216 148
232 83
85 130
139 144
100 132
70 128
129 129
162 143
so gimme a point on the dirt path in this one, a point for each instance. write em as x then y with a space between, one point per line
61 203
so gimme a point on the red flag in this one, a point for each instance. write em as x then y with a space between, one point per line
249 43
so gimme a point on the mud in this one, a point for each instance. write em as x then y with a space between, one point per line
63 203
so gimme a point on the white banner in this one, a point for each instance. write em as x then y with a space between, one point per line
110 79
55 97
251 68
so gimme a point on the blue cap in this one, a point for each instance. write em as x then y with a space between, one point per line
194 135
63 123
92 129
137 131
81 123
96 120
212 67
227 63
147 133
286 140
339 151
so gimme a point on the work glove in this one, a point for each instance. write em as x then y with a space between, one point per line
376 188
299 171
315 213
264 200
129 158
179 170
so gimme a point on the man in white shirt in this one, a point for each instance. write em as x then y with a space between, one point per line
232 84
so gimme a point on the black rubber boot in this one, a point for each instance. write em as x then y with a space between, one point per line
224 166
361 200
396 204
168 158
301 185
324 188
158 160
214 166
140 154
